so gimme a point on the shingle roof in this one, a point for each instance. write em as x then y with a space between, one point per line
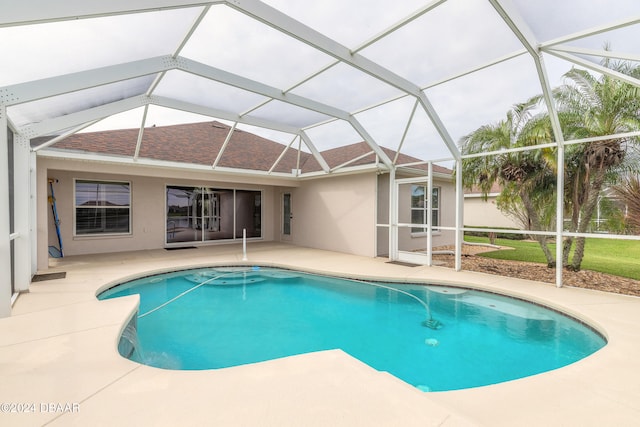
200 143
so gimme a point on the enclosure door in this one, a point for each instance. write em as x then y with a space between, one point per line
414 216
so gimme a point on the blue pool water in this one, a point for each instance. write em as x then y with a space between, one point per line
435 338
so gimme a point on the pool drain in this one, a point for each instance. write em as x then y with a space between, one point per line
432 342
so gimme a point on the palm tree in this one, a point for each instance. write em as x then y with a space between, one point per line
524 176
629 193
596 107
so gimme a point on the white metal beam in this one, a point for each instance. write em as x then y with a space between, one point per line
59 85
371 142
595 67
284 151
221 114
594 52
22 212
307 141
5 230
27 12
592 31
348 162
50 126
136 154
63 136
235 80
81 118
406 131
224 145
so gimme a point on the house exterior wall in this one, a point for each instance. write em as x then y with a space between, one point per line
481 213
336 213
148 205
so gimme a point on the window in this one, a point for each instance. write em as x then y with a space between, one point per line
420 207
102 207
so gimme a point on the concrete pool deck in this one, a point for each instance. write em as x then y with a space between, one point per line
59 363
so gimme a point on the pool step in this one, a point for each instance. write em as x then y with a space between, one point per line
235 276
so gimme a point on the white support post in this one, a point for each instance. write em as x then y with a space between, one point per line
33 211
559 214
429 200
459 215
5 230
393 216
22 209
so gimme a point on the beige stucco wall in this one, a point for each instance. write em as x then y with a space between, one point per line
336 213
481 213
147 204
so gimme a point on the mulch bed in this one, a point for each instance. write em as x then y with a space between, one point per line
534 271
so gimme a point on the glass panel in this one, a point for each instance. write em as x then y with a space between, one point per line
12 250
218 214
249 213
387 124
417 196
102 207
68 103
333 134
344 87
91 193
183 215
236 43
278 111
411 211
286 215
472 101
435 198
435 218
54 48
417 217
193 89
451 39
348 22
549 19
102 220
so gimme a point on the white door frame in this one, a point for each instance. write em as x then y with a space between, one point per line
395 254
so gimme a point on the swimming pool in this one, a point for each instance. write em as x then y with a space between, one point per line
433 337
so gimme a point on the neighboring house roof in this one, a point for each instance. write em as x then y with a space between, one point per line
200 143
476 191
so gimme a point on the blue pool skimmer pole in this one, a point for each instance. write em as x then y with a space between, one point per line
54 210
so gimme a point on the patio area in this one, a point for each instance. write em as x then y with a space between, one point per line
58 358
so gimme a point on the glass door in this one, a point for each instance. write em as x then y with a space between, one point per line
287 216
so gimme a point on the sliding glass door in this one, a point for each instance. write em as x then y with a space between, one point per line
201 214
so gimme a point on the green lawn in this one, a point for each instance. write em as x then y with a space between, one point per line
617 257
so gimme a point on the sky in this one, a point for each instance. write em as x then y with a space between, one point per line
448 40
